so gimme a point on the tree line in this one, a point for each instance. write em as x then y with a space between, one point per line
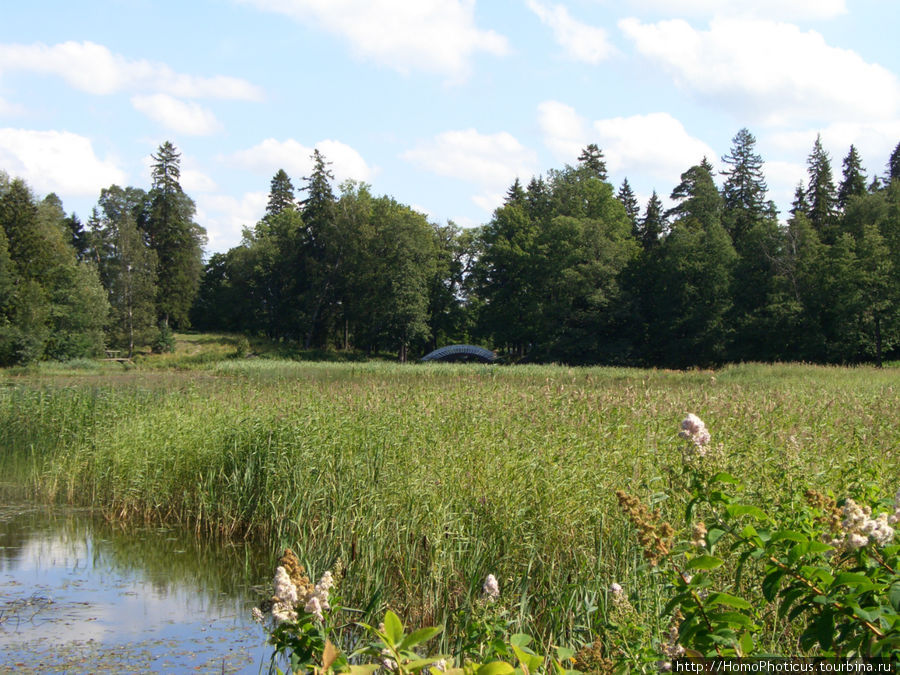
568 268
124 280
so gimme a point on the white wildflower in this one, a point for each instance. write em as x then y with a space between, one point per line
860 529
285 597
490 591
698 534
257 615
694 430
387 662
440 665
314 606
616 589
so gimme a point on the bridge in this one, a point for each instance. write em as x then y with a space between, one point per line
461 353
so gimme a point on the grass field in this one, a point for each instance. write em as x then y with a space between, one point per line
425 478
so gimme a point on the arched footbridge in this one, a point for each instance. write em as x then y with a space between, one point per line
461 353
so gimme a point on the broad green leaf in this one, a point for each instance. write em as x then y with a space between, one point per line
704 562
850 579
495 668
419 636
746 643
367 669
727 599
895 595
520 640
724 477
736 510
790 535
393 628
564 653
714 535
771 583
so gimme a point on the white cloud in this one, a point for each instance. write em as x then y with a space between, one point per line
93 68
224 217
490 161
183 117
57 161
772 72
656 144
294 157
565 131
580 41
431 35
8 109
193 181
779 9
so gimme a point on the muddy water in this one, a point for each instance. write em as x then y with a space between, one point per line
78 595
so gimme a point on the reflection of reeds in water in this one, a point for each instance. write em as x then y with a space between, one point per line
425 479
218 572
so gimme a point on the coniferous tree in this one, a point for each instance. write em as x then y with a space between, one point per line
744 190
281 194
853 183
168 220
893 172
632 207
515 194
820 192
591 159
653 225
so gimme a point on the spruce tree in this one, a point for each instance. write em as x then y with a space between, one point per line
893 172
820 192
744 190
515 194
853 183
632 207
653 225
281 194
591 158
177 240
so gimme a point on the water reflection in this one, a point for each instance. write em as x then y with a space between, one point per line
81 595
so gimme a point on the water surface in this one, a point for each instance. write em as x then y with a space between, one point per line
78 594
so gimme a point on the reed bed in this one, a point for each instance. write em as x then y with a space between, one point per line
424 479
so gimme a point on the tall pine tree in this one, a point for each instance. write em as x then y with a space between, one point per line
853 182
820 192
177 240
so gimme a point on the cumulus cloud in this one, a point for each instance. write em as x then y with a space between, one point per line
656 144
9 109
490 161
184 117
781 9
225 216
773 72
431 35
580 41
93 68
57 161
294 157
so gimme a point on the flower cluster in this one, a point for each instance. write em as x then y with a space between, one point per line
859 529
655 537
293 589
698 535
670 648
490 590
694 430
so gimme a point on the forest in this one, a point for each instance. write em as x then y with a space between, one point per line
569 269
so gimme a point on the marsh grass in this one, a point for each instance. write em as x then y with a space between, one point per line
425 478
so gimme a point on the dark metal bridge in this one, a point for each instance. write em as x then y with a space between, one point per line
461 353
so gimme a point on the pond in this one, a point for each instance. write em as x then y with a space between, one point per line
78 594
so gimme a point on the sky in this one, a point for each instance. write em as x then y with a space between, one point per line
440 104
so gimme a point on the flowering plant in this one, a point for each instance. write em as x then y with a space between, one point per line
827 568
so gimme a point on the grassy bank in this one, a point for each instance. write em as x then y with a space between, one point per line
424 479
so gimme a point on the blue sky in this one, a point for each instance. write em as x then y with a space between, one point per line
438 103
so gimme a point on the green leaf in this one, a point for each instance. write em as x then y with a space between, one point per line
419 636
704 562
850 579
520 640
727 599
367 669
790 535
895 595
714 535
564 653
724 477
736 510
746 643
393 628
495 668
771 583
